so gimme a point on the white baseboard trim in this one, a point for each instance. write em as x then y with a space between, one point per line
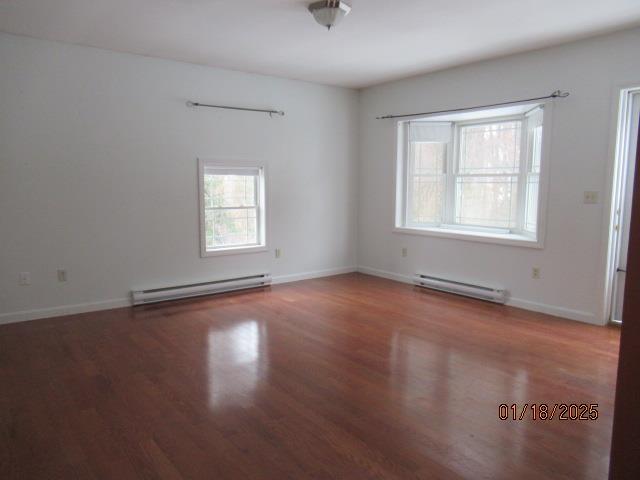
556 311
384 274
26 315
296 277
580 316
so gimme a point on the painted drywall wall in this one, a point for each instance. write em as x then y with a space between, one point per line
98 174
572 262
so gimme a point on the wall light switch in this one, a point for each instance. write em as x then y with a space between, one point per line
24 278
535 273
404 251
590 197
278 253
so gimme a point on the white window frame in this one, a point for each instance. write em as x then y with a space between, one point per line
454 167
261 208
448 229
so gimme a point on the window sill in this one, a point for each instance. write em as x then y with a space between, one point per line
474 236
233 251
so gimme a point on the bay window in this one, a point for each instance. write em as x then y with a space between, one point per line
472 175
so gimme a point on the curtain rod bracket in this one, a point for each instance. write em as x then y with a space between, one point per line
556 94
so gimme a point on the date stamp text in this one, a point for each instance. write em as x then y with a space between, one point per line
548 411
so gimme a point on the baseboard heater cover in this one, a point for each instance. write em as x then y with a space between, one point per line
154 295
460 288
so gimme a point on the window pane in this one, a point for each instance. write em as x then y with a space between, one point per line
536 149
531 207
231 227
230 190
425 199
487 201
490 148
426 182
427 158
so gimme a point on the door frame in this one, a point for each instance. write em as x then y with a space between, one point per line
624 462
618 191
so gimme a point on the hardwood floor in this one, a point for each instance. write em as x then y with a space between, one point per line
348 377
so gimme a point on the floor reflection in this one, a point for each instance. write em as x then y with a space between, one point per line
235 360
442 386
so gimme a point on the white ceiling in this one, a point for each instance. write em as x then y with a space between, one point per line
380 40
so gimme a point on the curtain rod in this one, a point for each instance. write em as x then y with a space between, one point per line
226 107
556 94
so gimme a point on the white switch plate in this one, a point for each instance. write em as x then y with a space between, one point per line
404 251
278 253
62 275
590 197
24 278
535 273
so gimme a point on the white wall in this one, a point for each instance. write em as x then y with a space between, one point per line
98 173
573 260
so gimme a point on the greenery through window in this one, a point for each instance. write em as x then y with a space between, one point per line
474 174
232 207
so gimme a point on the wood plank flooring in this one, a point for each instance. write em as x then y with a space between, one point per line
347 377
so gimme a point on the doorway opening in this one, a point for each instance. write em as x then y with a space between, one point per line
626 145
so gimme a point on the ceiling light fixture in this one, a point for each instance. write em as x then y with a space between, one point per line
329 13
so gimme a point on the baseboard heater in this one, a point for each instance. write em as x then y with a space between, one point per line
460 288
154 295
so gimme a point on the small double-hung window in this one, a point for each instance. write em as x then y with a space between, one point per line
232 208
475 176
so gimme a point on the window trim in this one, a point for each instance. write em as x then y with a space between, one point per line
514 239
262 207
521 238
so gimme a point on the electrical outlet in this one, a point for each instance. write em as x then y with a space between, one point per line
404 251
24 278
590 197
535 273
62 275
278 253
